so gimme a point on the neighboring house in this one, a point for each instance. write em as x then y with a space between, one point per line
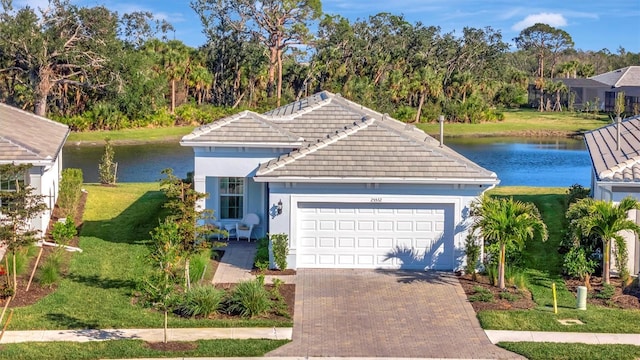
26 138
603 88
615 155
352 188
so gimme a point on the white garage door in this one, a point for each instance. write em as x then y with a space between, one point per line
362 235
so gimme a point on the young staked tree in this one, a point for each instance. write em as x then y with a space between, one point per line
605 220
107 167
165 258
506 221
182 202
19 206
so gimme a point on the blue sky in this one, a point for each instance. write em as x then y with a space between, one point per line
593 24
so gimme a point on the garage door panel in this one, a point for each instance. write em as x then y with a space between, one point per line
412 236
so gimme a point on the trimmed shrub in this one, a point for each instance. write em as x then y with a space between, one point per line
201 301
481 294
70 191
607 292
262 253
280 247
472 250
511 297
250 298
50 271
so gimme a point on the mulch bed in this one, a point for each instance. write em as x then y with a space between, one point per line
624 297
287 291
256 271
37 291
523 302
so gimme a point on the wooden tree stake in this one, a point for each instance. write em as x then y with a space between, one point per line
33 272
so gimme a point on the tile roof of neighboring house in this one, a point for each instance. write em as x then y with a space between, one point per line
28 138
344 140
627 76
609 163
580 82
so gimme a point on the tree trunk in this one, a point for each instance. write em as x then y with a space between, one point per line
279 88
41 93
606 261
587 281
173 95
166 316
272 70
501 266
422 94
187 274
15 278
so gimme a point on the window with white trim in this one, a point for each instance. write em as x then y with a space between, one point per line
231 197
9 184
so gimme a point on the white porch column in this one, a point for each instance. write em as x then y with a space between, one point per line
199 184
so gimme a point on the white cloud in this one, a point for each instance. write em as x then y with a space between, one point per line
555 20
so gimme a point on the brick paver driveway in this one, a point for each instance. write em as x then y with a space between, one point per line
368 313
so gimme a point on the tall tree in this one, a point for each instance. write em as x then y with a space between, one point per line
64 44
277 24
605 220
506 221
544 41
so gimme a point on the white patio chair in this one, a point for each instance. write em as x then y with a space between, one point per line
245 226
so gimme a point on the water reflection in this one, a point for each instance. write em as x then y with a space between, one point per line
517 161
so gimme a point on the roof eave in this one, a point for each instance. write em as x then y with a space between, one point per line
241 144
360 180
31 162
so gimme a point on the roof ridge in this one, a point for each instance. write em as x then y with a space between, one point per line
28 113
310 148
205 129
625 71
263 119
300 112
620 167
25 147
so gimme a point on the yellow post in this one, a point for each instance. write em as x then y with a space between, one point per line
555 299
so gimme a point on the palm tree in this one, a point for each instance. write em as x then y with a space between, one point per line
506 221
425 81
605 220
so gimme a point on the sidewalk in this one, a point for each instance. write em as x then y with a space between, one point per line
237 262
150 335
497 336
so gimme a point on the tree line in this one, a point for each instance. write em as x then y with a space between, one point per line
95 69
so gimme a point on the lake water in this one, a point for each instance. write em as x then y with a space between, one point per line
517 161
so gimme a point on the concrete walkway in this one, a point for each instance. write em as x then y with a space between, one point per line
237 262
151 335
497 336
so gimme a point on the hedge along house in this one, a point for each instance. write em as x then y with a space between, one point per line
26 138
615 156
352 188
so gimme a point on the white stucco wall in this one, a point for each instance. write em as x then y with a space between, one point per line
45 180
291 194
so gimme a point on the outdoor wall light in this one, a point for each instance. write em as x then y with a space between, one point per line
280 207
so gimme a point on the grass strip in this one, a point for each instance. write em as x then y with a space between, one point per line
115 349
563 351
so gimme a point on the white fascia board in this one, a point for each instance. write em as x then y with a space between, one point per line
236 145
488 181
24 162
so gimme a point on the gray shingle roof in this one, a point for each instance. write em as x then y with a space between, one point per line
28 138
344 140
627 76
244 128
609 163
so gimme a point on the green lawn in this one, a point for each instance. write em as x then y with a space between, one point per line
118 349
140 135
560 351
520 122
102 280
543 267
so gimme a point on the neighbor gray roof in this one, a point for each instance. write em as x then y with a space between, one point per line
581 82
28 138
609 163
344 140
627 76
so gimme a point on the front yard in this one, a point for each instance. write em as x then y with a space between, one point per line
102 283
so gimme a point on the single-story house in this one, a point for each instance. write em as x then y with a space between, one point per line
26 138
352 188
603 88
615 156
